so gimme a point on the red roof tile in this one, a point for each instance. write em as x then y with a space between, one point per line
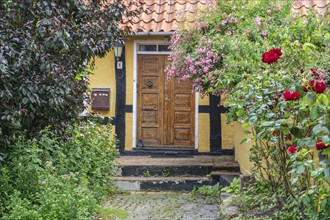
321 6
164 15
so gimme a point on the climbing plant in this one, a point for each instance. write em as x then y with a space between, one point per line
226 42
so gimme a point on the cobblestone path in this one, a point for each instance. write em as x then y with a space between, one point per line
162 206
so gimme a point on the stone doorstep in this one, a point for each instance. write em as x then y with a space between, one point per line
175 170
160 183
143 173
196 160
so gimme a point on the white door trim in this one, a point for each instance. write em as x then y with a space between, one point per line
135 79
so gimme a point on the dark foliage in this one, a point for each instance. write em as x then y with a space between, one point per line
46 48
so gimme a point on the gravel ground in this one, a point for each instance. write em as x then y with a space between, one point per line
161 206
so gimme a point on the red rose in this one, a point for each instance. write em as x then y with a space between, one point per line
295 95
305 89
277 51
291 96
320 145
317 86
292 149
311 83
269 57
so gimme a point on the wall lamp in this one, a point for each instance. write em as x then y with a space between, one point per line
118 50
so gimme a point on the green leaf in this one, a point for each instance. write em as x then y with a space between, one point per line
273 140
286 115
245 125
286 131
300 169
306 142
245 140
25 100
325 162
296 131
313 113
308 99
253 120
326 151
267 123
306 200
240 113
294 180
324 99
320 130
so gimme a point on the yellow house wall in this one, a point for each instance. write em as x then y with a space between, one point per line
203 132
129 131
104 77
227 131
242 151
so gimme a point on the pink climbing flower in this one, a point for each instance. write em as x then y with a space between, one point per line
257 22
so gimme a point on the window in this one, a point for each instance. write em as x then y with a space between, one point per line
147 47
154 48
163 48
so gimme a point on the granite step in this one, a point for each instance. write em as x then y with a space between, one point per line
175 169
173 174
171 183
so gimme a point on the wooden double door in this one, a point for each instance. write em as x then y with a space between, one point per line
166 108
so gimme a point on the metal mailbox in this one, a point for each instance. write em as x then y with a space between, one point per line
101 99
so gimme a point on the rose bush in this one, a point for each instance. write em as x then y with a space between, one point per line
278 93
288 126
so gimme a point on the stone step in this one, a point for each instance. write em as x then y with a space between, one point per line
181 152
161 183
224 178
175 169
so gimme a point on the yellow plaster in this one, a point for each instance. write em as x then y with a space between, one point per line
203 132
104 77
242 151
203 101
128 131
227 131
129 59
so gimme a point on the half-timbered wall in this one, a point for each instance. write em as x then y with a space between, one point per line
104 77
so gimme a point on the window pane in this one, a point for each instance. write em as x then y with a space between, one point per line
147 47
163 48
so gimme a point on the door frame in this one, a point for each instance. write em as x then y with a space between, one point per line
135 90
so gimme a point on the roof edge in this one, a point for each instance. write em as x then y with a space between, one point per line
162 33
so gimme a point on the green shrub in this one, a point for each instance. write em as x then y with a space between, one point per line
55 179
46 51
211 194
234 187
